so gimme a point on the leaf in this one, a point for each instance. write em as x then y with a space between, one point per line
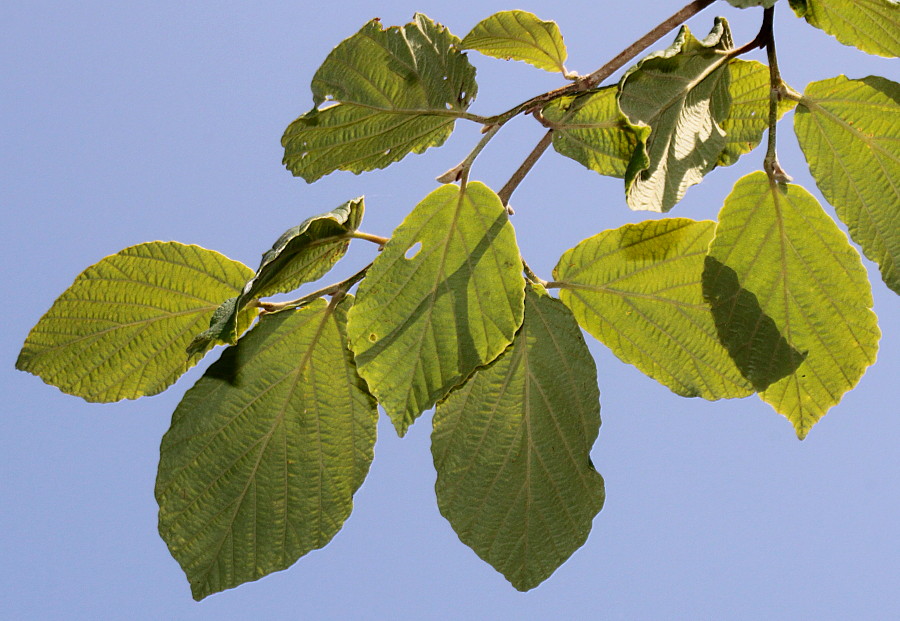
444 296
637 289
266 451
389 92
872 26
590 129
302 254
849 134
748 117
785 250
745 4
512 449
519 35
120 331
682 95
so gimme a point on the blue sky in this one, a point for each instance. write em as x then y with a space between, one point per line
122 124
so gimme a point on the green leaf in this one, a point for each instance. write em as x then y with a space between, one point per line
745 4
590 129
120 331
682 95
748 117
872 26
388 92
302 254
849 133
266 451
444 296
511 448
785 250
637 289
519 35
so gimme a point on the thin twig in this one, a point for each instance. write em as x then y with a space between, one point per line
338 288
770 163
530 275
514 181
462 169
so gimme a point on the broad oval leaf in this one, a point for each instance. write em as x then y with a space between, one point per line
748 117
872 26
590 129
637 289
783 248
444 296
388 93
120 331
849 133
682 95
302 254
519 35
266 451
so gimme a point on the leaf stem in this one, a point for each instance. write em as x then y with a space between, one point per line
336 289
530 275
770 164
375 239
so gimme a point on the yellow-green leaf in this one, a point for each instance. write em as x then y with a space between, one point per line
444 296
785 250
850 135
637 289
511 448
120 331
873 26
387 93
266 451
519 35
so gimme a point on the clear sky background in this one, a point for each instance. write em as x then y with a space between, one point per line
129 122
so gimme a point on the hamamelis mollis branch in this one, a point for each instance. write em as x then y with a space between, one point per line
770 164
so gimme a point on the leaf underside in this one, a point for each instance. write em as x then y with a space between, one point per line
266 451
782 248
872 26
511 448
444 296
121 330
519 35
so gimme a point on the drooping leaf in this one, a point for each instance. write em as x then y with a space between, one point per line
302 254
849 133
266 451
872 26
745 4
120 331
748 117
519 35
785 250
682 95
444 296
511 448
637 289
590 129
388 93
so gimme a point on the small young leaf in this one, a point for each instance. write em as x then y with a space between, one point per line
851 139
266 451
389 93
302 254
590 129
120 331
423 323
745 4
682 95
783 248
512 449
519 35
637 289
748 117
872 26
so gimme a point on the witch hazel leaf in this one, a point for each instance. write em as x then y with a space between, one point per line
519 35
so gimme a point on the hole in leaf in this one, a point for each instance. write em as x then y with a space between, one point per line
373 337
413 251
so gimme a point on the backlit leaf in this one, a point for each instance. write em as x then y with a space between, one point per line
444 296
785 250
511 448
388 93
850 135
519 35
870 25
682 95
266 451
120 331
590 129
637 290
744 4
302 254
748 117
